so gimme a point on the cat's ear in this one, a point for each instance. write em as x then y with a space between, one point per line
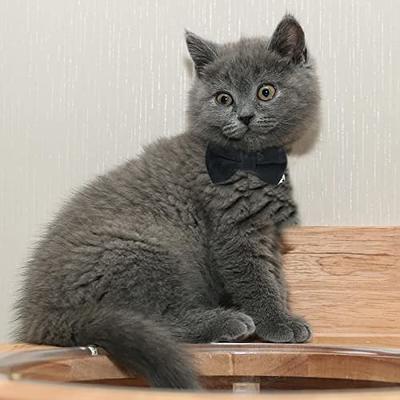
202 51
288 40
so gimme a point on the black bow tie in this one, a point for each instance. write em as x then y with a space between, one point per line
269 164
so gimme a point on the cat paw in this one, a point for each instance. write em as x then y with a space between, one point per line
289 329
235 327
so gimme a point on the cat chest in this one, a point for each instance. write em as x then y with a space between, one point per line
249 199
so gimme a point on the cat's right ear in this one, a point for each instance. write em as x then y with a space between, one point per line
202 51
288 40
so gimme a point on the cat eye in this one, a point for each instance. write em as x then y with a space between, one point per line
224 98
266 92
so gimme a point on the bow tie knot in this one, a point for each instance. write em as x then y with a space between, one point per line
269 164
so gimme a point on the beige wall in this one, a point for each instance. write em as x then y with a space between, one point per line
83 84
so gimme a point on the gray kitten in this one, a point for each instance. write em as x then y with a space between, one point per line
154 252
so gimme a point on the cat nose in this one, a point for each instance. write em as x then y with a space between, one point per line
246 118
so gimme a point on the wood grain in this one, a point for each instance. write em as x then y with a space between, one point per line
345 281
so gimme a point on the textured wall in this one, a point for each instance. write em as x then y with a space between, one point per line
83 84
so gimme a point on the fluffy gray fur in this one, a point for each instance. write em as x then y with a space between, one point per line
153 252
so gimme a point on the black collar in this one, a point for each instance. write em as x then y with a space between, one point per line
269 164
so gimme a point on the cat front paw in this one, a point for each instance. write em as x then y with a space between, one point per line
288 329
235 327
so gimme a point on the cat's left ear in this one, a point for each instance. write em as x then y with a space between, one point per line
288 40
202 51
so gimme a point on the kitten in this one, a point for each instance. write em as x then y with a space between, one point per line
156 252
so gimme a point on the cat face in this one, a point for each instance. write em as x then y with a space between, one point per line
254 93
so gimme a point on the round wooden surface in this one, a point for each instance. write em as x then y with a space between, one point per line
220 366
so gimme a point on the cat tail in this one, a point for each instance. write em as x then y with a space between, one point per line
139 346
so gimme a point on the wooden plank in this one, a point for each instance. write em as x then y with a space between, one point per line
350 240
345 281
